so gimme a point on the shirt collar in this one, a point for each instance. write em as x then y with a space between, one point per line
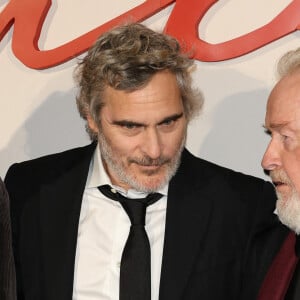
97 176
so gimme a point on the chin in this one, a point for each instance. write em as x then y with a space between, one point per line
288 210
151 186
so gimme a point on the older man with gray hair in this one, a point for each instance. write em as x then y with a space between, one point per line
282 161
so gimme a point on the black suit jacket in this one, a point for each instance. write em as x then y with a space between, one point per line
220 236
7 269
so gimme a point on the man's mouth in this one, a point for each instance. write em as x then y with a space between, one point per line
148 162
281 186
278 183
281 182
150 166
150 169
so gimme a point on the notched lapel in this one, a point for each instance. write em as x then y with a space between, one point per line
188 213
60 203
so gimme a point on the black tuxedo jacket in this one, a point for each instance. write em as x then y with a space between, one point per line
7 269
221 233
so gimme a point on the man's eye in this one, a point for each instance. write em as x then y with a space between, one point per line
268 132
284 137
168 122
129 126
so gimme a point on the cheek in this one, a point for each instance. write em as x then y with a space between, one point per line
122 147
170 149
296 183
291 166
173 142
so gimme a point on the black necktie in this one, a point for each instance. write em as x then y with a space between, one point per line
135 272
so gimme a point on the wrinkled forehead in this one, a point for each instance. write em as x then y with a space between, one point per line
284 100
286 93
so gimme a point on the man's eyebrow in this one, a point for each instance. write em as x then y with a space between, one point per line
266 129
275 126
137 124
127 123
171 118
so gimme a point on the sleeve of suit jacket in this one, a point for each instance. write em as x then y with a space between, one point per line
7 272
23 182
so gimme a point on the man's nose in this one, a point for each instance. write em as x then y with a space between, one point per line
271 159
152 144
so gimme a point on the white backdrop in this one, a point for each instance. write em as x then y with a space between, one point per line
38 113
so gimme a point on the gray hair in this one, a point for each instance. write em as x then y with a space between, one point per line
126 58
288 63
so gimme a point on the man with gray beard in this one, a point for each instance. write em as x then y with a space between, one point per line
134 215
282 161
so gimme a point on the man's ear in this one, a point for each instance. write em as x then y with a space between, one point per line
92 124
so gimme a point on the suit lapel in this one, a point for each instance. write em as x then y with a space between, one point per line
187 217
60 203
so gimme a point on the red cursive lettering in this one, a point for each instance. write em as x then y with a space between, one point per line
185 29
28 17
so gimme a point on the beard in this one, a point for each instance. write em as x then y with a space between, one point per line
287 206
115 164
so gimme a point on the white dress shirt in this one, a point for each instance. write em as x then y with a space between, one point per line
102 234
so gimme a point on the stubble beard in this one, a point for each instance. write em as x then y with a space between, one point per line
116 166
